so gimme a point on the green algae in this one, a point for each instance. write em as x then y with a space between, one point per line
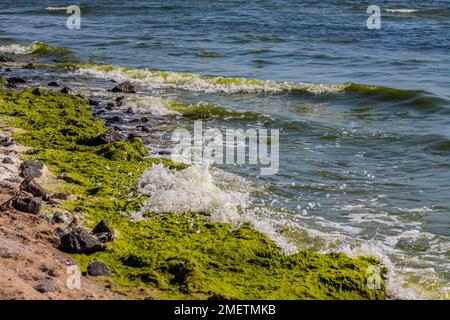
205 110
179 256
3 81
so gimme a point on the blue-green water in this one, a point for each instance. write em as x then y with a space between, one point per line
362 169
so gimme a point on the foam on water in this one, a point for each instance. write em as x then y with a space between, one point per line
18 49
56 8
402 10
156 79
192 189
154 105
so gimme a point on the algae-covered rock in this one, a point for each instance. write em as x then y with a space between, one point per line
133 150
110 136
98 269
3 81
103 231
124 87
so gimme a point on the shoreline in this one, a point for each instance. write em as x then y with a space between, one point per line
174 256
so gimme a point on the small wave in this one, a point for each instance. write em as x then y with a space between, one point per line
421 99
37 48
56 8
158 106
441 148
209 54
402 10
204 110
153 105
16 49
195 82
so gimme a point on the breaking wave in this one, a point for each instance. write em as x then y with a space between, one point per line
37 48
157 79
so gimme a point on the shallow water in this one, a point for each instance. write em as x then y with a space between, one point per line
363 169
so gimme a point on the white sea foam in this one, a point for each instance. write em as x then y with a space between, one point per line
56 8
17 49
190 190
402 10
193 82
154 105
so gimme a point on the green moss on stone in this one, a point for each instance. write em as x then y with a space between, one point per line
3 81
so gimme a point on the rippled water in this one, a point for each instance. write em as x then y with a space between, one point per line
363 168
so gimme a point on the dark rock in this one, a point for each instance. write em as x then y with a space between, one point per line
145 129
98 269
99 112
52 203
74 223
31 168
110 105
144 119
29 205
35 189
132 136
45 286
7 160
130 110
103 231
113 120
50 272
164 153
16 80
29 66
59 232
6 141
53 84
119 100
62 217
66 90
149 298
79 241
109 136
125 87
46 217
60 196
38 92
5 59
93 102
134 121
